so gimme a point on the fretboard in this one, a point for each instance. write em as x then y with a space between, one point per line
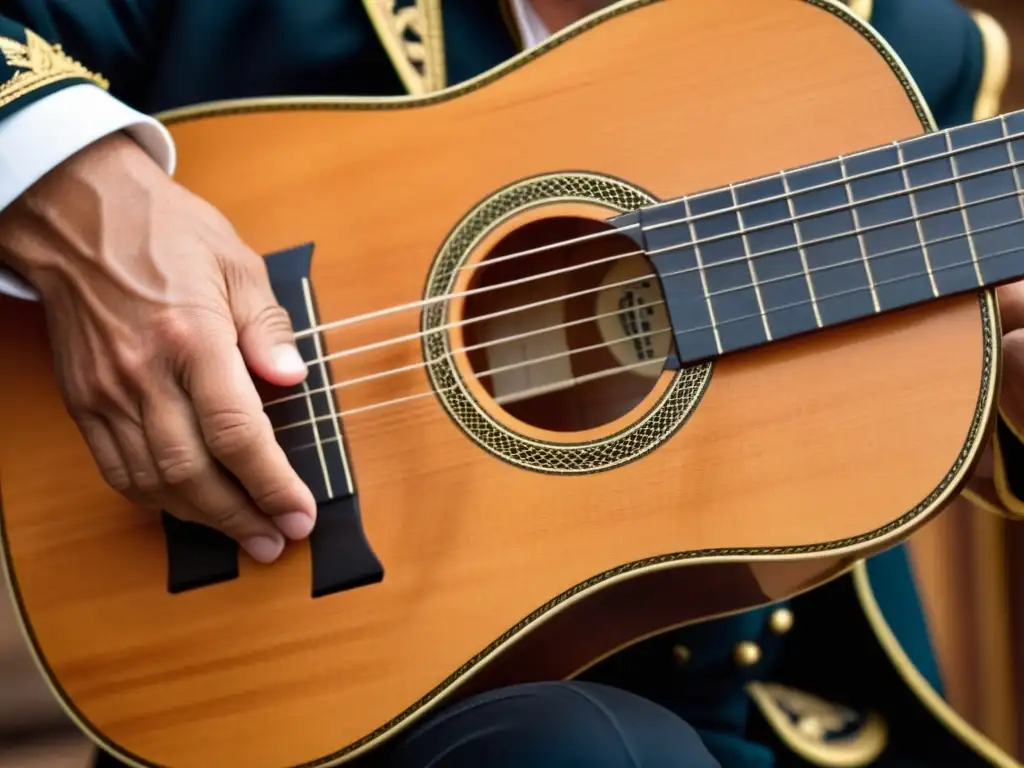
840 240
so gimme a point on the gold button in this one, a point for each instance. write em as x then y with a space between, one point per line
781 621
681 653
747 654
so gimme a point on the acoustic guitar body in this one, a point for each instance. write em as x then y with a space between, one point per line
504 526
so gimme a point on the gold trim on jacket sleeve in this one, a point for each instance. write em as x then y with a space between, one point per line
413 37
996 70
988 502
938 707
38 63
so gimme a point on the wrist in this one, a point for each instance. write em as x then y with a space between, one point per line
57 222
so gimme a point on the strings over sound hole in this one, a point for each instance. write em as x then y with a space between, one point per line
567 337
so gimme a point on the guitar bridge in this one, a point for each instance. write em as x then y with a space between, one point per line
308 427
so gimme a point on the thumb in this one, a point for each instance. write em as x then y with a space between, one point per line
265 334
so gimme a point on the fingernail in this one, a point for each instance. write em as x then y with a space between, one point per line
287 359
263 549
294 525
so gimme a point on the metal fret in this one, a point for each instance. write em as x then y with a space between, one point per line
750 264
963 209
995 218
842 239
860 236
703 276
1005 131
800 249
917 220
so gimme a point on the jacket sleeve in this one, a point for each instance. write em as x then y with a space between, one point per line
48 45
1008 466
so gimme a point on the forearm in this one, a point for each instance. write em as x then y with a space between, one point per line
51 107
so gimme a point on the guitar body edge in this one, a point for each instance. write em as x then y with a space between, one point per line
777 470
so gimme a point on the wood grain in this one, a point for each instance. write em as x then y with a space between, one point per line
804 444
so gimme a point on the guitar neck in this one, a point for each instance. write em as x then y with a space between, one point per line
840 240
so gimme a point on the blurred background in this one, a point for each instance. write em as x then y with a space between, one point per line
970 564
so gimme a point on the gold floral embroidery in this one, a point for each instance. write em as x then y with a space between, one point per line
821 732
411 33
39 63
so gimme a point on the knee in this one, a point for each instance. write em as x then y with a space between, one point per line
552 724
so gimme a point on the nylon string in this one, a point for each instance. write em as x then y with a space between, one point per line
634 280
845 181
619 369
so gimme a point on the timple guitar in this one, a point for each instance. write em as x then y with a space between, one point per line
573 380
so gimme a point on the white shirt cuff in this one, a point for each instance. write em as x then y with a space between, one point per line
38 138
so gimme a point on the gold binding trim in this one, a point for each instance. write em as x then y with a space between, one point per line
39 63
996 70
814 728
413 36
938 707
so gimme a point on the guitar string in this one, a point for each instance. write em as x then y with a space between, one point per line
534 361
846 181
739 232
633 281
620 369
487 345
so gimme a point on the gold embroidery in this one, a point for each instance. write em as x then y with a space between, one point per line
413 38
861 8
996 72
980 743
819 731
40 64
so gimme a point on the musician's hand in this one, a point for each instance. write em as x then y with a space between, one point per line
1011 312
1010 399
155 308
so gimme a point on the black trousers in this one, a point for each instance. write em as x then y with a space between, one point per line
542 725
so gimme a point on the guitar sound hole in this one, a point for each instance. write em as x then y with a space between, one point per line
580 345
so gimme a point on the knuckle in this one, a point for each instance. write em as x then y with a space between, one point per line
229 433
132 368
226 518
116 477
89 393
275 498
274 319
85 403
175 331
146 481
178 467
79 407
